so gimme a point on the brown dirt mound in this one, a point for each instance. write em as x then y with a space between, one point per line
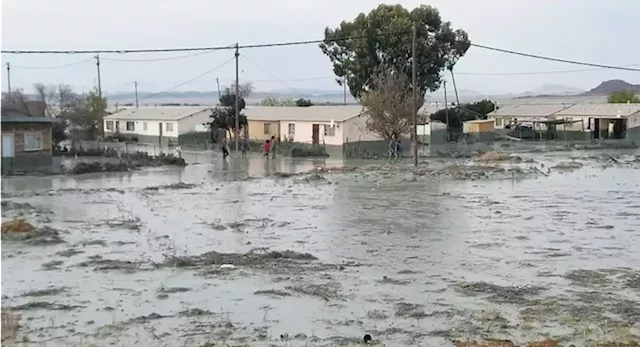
497 156
19 225
9 325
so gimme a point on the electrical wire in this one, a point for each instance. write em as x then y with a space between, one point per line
187 81
534 72
267 73
158 59
296 43
50 67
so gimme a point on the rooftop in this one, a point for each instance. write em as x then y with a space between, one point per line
607 110
528 110
309 114
156 113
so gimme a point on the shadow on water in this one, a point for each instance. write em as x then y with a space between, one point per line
231 252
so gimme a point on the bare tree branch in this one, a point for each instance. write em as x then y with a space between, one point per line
389 105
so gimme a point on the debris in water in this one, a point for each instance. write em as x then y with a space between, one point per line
51 265
10 324
329 291
272 292
497 156
485 343
568 166
500 294
179 185
45 305
253 258
367 338
46 292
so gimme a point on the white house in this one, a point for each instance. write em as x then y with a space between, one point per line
150 124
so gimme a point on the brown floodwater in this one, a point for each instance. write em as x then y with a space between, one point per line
411 260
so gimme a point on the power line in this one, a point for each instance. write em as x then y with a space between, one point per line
51 67
534 72
188 81
158 59
297 43
267 72
559 60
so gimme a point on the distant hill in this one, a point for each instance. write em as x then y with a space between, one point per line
550 89
610 86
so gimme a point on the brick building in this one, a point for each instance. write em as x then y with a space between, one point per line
26 137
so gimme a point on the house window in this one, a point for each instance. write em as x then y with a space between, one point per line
144 126
329 130
499 122
110 125
267 128
292 130
169 127
32 141
131 126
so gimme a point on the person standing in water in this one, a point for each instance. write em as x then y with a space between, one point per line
266 148
225 149
244 147
393 145
273 147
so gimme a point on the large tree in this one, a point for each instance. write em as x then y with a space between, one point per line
383 37
223 117
389 106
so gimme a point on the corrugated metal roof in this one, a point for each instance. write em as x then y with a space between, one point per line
18 118
156 113
593 110
313 113
528 110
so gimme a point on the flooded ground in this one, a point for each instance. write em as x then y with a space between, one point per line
243 254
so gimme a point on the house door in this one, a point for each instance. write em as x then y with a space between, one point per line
315 134
7 146
117 126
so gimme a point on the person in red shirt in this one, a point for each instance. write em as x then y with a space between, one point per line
266 148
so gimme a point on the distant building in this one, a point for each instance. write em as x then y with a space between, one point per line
156 124
26 137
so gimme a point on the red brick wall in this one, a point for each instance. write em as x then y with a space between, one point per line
19 129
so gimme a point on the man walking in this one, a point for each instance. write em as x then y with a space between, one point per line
393 146
225 149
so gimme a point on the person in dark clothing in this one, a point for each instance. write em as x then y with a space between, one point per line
273 146
225 149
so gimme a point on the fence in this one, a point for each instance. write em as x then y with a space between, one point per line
126 147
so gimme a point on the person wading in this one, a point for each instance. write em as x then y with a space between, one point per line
273 146
225 149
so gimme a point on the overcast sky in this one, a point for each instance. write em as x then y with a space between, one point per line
586 30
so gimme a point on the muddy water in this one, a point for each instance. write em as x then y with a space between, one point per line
412 262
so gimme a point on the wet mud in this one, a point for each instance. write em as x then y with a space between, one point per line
506 249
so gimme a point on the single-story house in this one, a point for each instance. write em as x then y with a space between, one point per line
26 137
329 125
601 121
508 114
479 129
156 124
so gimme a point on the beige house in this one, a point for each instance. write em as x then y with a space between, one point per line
329 125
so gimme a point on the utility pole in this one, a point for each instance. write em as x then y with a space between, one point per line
455 89
218 83
446 110
135 83
237 106
344 86
414 79
9 78
100 93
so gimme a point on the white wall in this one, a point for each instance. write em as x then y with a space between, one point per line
304 132
152 127
355 130
193 122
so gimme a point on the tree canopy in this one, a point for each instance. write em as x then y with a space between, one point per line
224 116
383 38
464 113
623 96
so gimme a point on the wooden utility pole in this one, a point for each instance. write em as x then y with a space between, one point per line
455 89
414 79
344 87
237 98
446 110
100 93
9 78
218 83
136 87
